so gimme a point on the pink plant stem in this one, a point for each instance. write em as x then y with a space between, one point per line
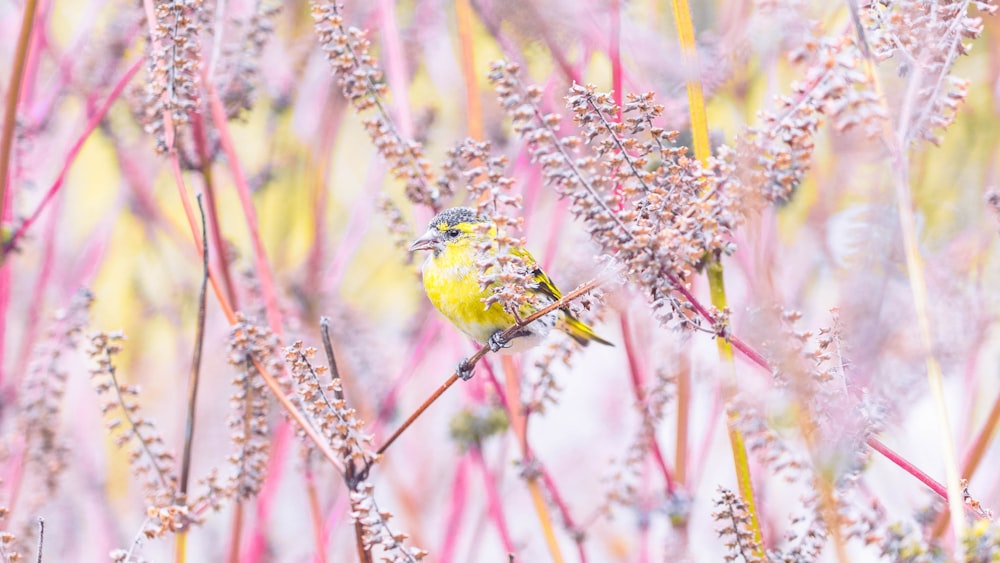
182 192
892 456
257 548
357 224
615 54
333 113
547 479
335 515
571 73
74 151
644 555
9 124
759 360
638 388
261 263
39 286
395 63
211 208
556 221
493 504
524 168
459 493
491 376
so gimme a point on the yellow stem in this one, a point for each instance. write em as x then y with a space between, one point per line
543 514
716 281
898 145
473 109
696 99
520 427
180 547
914 269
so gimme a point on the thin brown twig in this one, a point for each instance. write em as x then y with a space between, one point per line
205 168
482 351
324 328
181 545
364 555
352 477
41 539
196 362
13 93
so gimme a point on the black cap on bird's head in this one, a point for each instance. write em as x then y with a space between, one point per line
454 216
442 227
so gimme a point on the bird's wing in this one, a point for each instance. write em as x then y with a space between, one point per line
544 283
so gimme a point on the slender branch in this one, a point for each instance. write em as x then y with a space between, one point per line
134 427
364 555
41 539
324 327
973 457
482 351
180 553
205 167
227 310
196 361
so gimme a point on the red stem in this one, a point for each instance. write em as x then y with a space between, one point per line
638 388
493 502
892 456
261 263
547 479
459 494
74 151
395 63
614 53
211 208
258 548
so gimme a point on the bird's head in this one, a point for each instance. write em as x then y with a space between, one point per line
453 226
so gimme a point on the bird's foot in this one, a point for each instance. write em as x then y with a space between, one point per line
465 370
497 342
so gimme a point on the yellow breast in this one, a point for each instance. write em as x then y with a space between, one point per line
450 279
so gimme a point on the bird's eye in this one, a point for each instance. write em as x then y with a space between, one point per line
452 233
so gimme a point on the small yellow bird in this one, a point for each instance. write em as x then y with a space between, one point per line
451 280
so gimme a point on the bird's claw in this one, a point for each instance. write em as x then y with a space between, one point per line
497 342
465 370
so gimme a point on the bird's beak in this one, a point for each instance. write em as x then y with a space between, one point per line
428 241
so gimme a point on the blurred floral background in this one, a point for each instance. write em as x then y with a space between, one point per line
788 210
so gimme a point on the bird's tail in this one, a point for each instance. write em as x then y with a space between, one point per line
580 332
